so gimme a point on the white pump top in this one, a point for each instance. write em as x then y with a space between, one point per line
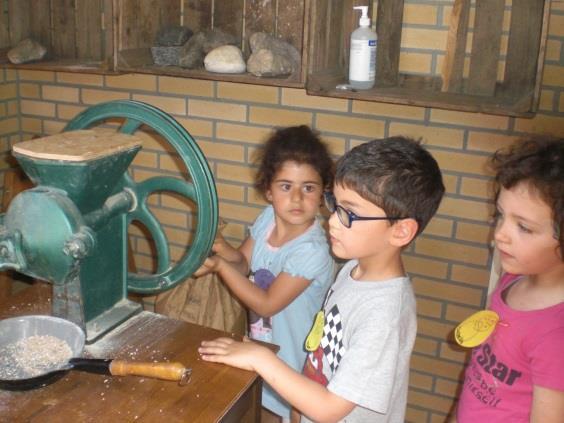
364 19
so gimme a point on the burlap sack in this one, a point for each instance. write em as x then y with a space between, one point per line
205 301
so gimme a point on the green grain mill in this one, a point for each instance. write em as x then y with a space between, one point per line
71 228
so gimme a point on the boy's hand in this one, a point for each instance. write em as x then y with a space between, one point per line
243 355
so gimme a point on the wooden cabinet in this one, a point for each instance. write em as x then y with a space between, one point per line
477 74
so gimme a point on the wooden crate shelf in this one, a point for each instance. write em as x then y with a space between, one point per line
78 34
478 89
115 36
240 18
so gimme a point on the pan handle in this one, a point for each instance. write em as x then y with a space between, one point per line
167 371
91 365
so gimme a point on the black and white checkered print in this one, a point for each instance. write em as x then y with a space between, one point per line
332 341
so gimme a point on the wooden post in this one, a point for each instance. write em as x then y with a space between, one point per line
453 69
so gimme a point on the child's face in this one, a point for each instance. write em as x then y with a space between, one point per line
365 238
524 233
295 193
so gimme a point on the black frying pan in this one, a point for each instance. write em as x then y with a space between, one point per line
19 328
165 371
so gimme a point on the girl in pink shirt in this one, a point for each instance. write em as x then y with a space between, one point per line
517 374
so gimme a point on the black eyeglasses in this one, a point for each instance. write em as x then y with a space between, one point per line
347 217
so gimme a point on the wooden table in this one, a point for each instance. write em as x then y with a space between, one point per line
215 393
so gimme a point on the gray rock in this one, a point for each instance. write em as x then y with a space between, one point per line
272 56
225 59
200 44
174 35
269 64
166 56
26 51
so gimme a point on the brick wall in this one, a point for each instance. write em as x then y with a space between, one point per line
9 124
449 263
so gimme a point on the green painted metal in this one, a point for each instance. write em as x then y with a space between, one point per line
41 247
87 184
201 190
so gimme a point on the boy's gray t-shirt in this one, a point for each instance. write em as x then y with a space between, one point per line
368 335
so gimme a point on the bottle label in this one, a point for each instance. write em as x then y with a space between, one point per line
362 66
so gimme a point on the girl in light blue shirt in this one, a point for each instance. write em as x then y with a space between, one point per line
282 271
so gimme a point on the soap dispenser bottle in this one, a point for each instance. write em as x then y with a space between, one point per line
362 60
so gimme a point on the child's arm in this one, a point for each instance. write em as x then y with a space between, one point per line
311 398
239 258
282 292
548 405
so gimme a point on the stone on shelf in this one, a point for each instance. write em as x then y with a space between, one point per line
225 59
272 56
26 51
200 44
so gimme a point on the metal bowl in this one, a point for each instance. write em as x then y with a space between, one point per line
18 328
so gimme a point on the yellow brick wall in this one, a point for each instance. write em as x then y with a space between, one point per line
9 116
449 263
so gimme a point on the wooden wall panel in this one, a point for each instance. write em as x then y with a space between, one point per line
486 45
4 28
40 23
89 24
64 28
197 14
390 18
140 21
228 16
109 36
19 28
290 21
524 43
260 16
453 69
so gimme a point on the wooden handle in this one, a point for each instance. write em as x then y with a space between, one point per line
166 371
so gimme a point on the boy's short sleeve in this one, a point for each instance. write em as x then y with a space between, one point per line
546 360
308 260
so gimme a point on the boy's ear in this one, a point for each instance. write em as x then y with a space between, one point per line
404 231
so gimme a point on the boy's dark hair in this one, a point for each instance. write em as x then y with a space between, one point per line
538 161
397 174
298 144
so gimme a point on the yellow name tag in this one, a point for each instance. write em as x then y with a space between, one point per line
476 329
316 333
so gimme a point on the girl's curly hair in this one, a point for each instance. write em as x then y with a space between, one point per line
298 144
538 161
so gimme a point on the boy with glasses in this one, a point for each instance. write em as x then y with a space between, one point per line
385 193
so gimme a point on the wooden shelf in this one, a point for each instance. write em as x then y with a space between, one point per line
476 90
68 65
418 91
116 35
282 18
78 35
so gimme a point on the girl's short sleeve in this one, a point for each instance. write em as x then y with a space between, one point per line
308 260
262 222
546 360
